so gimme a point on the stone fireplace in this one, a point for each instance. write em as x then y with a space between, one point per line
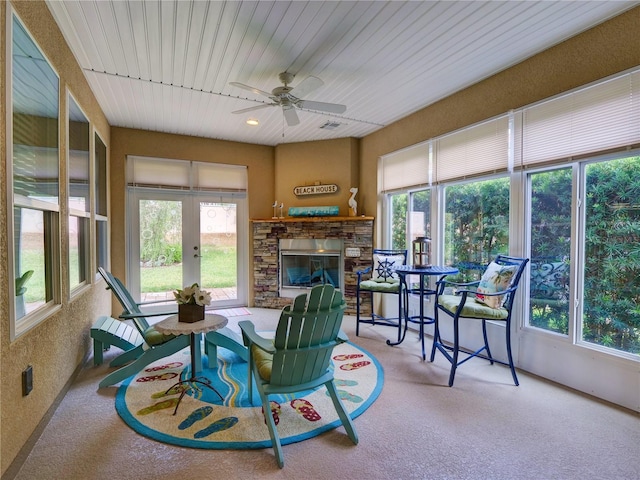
347 239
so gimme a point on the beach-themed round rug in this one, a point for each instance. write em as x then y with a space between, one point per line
203 420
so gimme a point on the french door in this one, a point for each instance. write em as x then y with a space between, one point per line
181 238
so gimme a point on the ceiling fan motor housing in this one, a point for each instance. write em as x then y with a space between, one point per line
286 78
281 91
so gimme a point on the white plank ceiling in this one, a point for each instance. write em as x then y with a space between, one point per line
167 65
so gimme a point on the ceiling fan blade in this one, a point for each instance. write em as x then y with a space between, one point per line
258 107
322 106
308 85
291 116
255 90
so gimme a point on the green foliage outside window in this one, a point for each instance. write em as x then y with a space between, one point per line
550 249
160 232
399 208
612 255
476 225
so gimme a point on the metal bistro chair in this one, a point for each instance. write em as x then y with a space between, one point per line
380 278
299 357
488 299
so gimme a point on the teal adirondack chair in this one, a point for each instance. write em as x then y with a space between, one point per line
155 345
299 356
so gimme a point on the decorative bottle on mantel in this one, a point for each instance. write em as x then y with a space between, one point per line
353 205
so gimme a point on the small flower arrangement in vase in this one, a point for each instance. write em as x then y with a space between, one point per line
191 302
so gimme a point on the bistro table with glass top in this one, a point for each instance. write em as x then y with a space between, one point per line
422 291
171 325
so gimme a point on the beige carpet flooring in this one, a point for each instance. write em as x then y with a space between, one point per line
482 428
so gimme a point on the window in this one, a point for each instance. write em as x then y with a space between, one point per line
79 202
476 225
550 251
100 182
410 218
420 214
398 205
611 274
35 186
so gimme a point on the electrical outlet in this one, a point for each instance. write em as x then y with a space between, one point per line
27 381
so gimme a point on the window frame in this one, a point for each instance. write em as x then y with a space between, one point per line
100 231
83 217
51 211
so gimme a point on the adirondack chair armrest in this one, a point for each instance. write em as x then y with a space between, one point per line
250 337
129 316
151 302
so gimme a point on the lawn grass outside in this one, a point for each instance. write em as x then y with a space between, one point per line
218 270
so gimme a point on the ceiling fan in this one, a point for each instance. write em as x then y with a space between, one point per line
290 98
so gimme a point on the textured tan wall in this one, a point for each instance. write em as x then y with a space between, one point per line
325 162
259 160
58 345
609 48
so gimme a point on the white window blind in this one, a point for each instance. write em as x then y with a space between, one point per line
215 176
482 148
596 118
405 168
185 175
158 172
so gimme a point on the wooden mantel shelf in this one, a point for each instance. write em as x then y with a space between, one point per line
311 219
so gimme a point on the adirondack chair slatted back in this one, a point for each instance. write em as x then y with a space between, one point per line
129 305
305 337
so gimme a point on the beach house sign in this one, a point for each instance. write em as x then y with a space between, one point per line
315 189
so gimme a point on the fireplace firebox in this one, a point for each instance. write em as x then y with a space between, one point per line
306 262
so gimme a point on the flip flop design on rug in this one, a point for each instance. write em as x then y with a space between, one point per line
305 408
217 426
153 378
350 397
341 382
355 365
275 411
195 416
169 403
348 356
164 367
172 391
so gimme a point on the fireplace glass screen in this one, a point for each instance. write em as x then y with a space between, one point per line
306 263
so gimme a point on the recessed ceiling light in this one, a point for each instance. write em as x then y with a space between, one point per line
253 122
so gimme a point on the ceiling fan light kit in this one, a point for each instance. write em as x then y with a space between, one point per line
290 98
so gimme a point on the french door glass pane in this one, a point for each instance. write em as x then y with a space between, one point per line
611 311
476 225
550 250
218 245
160 249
